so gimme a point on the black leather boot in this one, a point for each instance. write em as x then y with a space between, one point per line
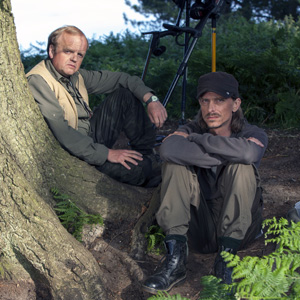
173 268
221 269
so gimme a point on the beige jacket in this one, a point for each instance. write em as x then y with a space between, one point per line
64 98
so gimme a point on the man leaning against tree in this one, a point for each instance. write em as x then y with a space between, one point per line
61 90
210 191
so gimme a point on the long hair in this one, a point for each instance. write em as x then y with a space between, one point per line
237 121
53 37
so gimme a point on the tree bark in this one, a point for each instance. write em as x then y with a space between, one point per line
35 249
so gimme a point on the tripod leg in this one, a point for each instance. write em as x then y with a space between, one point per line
187 55
184 79
180 71
146 64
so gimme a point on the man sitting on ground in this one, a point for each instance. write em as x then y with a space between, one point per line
210 187
61 90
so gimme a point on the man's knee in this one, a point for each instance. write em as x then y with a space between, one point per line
236 170
240 176
176 170
137 175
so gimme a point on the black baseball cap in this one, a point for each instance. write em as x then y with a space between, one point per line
222 83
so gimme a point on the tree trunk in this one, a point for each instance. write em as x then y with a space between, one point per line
35 249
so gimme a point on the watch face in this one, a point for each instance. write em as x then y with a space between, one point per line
154 98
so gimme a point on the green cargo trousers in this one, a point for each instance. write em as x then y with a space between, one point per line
121 111
211 207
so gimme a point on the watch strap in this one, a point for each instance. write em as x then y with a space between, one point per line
151 99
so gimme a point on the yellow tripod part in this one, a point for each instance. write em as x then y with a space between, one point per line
213 50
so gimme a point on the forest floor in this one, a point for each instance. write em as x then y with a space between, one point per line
280 175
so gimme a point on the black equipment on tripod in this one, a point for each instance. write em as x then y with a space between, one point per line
201 10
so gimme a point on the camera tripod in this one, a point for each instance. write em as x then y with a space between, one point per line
199 10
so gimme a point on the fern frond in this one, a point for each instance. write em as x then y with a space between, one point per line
155 238
287 237
213 289
57 195
273 276
165 296
71 216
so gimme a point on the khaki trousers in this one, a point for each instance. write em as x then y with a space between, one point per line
211 205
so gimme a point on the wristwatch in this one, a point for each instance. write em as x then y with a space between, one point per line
152 99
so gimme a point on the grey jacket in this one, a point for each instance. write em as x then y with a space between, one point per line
78 142
205 150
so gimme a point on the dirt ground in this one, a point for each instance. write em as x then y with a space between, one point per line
280 179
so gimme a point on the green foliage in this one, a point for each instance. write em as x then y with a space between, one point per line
287 109
120 53
33 56
125 53
264 57
155 238
166 296
161 11
164 10
274 276
71 216
286 235
214 289
266 10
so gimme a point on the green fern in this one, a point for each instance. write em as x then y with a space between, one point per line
71 216
214 290
166 296
286 234
155 238
273 276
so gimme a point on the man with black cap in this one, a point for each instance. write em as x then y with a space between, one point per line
210 190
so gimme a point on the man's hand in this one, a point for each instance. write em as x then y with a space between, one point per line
122 156
184 134
157 113
256 141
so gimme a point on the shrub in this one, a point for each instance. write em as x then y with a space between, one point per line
264 57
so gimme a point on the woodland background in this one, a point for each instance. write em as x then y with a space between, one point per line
257 41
